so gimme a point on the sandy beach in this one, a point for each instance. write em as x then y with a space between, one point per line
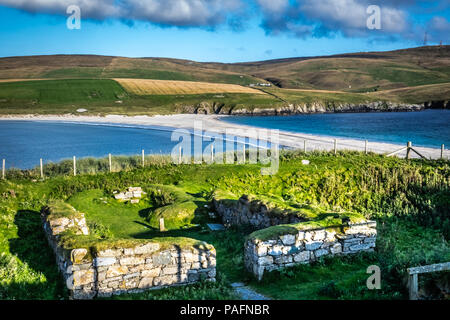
213 123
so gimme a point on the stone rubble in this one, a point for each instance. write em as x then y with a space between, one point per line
133 194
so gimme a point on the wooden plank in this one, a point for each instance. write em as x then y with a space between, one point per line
395 152
418 153
429 268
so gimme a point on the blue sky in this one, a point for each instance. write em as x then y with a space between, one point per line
214 30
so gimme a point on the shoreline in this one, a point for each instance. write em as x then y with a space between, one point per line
213 124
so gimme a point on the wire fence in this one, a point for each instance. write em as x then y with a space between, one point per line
113 163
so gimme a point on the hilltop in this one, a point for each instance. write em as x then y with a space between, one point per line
61 83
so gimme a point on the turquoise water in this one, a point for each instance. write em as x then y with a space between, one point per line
429 128
23 143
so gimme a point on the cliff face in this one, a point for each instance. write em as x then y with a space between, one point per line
305 108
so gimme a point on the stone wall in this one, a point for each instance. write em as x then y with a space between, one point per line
307 245
251 212
133 268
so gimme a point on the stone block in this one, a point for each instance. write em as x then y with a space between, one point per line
336 248
319 235
283 259
261 250
302 256
313 245
104 261
77 255
146 282
301 235
165 280
115 271
276 250
288 239
110 253
152 273
265 260
162 258
131 261
359 247
170 270
320 252
83 277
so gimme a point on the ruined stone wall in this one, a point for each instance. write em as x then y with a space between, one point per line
254 213
306 246
143 266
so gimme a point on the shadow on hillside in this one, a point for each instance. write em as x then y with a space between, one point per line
32 248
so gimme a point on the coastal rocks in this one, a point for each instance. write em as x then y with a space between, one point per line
306 246
307 108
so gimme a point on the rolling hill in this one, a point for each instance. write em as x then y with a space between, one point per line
106 84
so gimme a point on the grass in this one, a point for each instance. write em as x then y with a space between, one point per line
109 97
409 199
122 219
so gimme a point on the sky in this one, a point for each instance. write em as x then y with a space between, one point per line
219 30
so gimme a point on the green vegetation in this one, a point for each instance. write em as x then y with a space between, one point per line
409 200
108 97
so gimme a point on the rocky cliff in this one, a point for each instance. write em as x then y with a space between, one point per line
307 108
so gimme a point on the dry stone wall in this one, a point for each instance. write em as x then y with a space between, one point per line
307 245
247 212
130 269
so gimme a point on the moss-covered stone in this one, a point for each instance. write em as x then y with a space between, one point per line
175 216
336 221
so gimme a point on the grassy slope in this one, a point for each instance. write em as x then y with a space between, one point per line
105 97
382 188
419 74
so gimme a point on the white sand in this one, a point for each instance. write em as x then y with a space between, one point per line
212 123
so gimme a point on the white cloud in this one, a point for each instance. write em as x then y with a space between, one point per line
165 12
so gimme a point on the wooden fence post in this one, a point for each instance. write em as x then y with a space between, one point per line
143 158
366 147
245 155
442 151
74 166
335 146
42 169
179 157
408 149
3 169
110 162
212 153
161 225
304 146
413 286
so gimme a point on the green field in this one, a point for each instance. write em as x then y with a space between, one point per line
409 199
107 97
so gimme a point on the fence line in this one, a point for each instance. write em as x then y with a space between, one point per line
409 149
